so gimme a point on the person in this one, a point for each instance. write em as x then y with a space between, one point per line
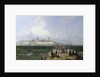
69 53
51 53
68 50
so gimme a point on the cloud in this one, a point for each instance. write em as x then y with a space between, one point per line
39 28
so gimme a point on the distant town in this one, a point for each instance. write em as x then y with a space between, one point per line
36 42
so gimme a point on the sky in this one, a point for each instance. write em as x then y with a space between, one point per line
63 29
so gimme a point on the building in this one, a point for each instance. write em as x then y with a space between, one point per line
36 42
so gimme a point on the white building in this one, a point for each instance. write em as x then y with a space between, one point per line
36 43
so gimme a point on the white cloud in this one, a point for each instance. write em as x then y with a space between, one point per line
39 28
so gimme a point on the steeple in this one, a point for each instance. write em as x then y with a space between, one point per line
37 38
48 38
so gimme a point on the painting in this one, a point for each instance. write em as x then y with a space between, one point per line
49 37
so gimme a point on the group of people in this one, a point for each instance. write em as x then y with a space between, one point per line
57 50
62 49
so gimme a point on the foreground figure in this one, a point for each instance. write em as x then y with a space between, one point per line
62 53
